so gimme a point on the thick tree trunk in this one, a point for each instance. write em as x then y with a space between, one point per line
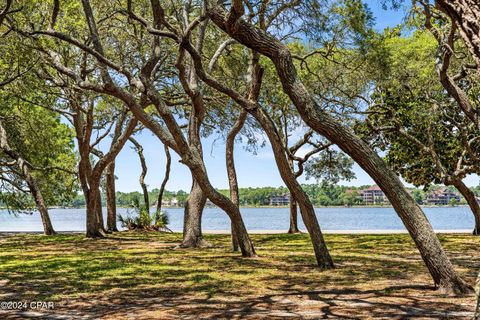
93 225
192 223
200 175
165 179
99 211
435 258
472 202
293 216
231 172
111 198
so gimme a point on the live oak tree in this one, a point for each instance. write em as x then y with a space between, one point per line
36 149
37 158
455 30
140 65
412 216
141 89
427 138
251 101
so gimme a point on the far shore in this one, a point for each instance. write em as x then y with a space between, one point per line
286 207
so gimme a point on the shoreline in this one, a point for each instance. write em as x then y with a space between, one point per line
285 207
267 231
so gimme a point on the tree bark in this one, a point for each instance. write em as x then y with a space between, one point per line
94 229
39 201
466 15
472 202
30 180
192 223
324 260
111 198
415 221
231 172
143 163
165 179
293 216
99 211
293 205
191 154
192 159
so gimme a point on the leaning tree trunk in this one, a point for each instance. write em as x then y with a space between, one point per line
111 198
201 177
324 260
472 202
37 196
165 179
415 221
192 223
31 181
231 172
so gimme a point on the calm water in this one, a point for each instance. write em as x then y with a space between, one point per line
442 218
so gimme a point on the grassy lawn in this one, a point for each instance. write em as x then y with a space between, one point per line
144 276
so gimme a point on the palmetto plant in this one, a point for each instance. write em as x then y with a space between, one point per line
144 220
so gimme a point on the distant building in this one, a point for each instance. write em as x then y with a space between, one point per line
373 195
279 200
442 196
173 202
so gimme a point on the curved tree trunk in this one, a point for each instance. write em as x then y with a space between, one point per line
165 179
143 163
37 196
192 223
111 198
31 182
472 202
231 172
192 159
41 207
415 221
201 177
324 260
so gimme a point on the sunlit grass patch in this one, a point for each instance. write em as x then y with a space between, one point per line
150 264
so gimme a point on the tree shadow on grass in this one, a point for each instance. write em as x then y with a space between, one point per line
143 276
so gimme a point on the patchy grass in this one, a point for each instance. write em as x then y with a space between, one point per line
144 276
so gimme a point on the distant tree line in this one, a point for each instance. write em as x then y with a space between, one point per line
321 195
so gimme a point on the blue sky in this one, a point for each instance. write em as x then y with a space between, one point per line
253 170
